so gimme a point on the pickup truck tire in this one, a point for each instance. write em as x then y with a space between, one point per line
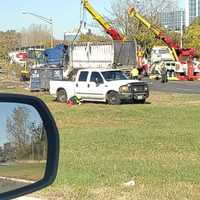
61 96
139 101
142 101
113 98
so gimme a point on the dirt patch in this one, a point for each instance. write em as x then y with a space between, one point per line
13 85
9 82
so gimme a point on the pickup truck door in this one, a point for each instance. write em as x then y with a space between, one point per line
96 87
81 85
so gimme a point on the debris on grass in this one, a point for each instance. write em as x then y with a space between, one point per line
130 183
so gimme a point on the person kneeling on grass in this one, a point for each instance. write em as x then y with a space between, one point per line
74 100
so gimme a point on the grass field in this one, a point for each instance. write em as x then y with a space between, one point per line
27 171
102 147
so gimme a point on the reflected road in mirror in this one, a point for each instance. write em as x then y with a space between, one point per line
23 146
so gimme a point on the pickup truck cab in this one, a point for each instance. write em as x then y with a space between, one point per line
104 85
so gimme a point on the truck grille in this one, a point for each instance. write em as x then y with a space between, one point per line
136 88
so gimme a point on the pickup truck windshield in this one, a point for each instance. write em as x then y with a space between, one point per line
114 75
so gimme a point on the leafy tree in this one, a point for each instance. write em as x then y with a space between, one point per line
192 35
131 27
38 141
17 129
36 35
28 138
9 40
92 38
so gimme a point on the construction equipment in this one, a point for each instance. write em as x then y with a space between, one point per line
184 56
114 33
108 28
24 73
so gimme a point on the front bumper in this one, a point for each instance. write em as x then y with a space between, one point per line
136 91
134 96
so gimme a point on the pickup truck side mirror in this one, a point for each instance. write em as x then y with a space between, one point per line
29 145
98 81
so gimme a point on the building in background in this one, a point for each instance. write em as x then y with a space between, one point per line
75 34
172 20
192 10
70 36
169 15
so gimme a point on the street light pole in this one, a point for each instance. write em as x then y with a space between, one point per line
52 41
47 20
182 28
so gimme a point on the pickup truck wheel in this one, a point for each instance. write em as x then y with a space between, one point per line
113 98
142 101
62 96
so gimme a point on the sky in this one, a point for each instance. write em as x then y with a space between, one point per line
65 14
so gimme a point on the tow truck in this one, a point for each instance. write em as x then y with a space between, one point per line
114 33
181 55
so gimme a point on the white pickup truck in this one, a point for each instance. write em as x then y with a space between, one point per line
104 85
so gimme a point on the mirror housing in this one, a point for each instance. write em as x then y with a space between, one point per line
52 142
97 81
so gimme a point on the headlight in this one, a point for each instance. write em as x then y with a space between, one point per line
145 88
124 89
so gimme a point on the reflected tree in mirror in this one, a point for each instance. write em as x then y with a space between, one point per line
23 146
38 142
27 138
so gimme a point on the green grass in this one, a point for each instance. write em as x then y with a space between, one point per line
27 171
157 145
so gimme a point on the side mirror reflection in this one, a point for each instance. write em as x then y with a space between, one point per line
23 146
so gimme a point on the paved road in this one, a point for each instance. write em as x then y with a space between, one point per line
7 185
184 87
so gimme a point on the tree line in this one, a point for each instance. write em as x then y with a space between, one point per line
35 35
130 28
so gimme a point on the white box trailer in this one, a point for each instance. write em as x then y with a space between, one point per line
91 55
102 55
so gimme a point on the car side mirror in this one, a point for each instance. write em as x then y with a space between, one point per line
29 145
97 81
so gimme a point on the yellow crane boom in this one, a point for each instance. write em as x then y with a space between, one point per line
158 33
108 28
